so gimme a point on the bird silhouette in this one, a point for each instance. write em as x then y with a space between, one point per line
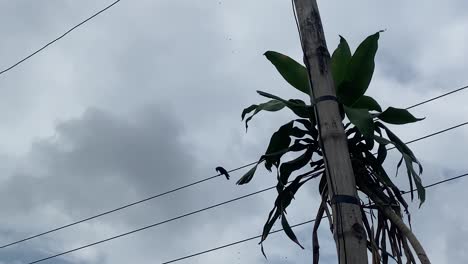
222 171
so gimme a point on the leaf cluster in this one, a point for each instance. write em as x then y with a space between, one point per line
366 129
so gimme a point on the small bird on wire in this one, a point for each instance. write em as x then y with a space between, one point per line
222 171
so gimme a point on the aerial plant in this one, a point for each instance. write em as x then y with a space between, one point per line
369 138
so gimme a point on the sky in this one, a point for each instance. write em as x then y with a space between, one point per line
147 97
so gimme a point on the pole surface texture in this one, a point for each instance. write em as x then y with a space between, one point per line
349 234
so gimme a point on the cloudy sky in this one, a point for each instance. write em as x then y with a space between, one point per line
147 97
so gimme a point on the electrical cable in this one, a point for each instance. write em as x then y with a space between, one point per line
230 244
58 38
120 208
163 222
210 207
437 97
303 223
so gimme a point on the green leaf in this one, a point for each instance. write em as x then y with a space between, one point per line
283 200
298 146
309 124
380 171
397 116
398 167
381 153
287 229
298 133
271 106
296 105
272 217
361 119
369 142
301 109
248 110
293 165
246 178
279 142
417 180
359 71
368 103
292 71
382 141
409 158
399 144
340 60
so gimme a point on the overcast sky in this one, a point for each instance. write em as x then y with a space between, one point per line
147 97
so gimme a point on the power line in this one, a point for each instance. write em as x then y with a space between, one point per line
434 134
235 243
437 97
183 187
150 226
120 208
162 222
204 209
58 38
205 179
303 223
180 188
229 201
440 182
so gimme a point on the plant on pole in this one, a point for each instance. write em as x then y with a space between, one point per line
366 129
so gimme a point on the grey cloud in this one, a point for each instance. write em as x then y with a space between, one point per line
98 162
99 151
201 67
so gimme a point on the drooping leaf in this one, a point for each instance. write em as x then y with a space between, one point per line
292 71
248 110
417 180
274 214
310 141
298 133
339 61
409 158
369 142
359 71
323 185
398 167
279 142
382 140
247 177
283 200
399 144
397 116
271 106
309 124
302 110
298 146
379 170
287 229
291 166
409 172
296 105
361 119
367 102
378 130
381 153
272 217
383 177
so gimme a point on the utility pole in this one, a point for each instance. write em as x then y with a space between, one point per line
349 233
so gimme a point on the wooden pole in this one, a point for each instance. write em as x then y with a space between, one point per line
349 234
